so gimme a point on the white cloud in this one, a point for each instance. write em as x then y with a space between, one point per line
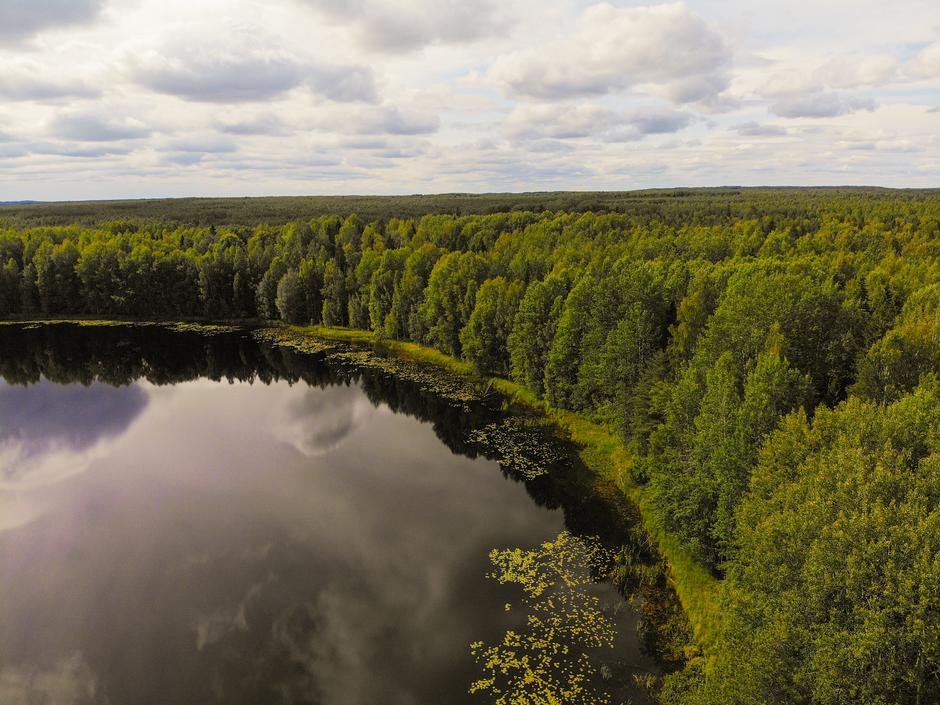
22 19
90 127
563 122
927 63
130 98
251 67
382 120
220 79
823 104
613 49
403 25
32 82
858 71
754 129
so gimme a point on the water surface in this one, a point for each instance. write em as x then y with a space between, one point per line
190 520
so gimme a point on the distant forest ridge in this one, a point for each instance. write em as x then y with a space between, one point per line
769 361
699 205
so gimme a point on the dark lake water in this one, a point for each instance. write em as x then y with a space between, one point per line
190 519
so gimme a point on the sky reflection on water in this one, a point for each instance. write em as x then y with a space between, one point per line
214 542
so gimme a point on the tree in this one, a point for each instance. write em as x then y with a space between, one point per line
564 356
450 297
267 288
334 295
533 331
10 288
895 363
483 339
382 288
405 319
291 301
835 593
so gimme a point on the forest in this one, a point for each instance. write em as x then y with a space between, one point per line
771 359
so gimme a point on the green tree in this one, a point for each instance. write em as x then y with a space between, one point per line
450 297
483 339
10 302
533 331
291 300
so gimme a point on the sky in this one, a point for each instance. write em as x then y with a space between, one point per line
160 98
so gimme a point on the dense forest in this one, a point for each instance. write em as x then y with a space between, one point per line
770 358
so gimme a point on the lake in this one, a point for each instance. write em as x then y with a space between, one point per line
192 518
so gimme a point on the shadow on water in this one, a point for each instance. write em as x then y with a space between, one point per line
624 594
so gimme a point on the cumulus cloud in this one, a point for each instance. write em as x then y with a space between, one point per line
90 127
859 71
79 151
29 82
822 104
240 74
201 144
264 124
392 120
612 49
754 129
23 19
926 64
403 25
564 122
215 78
343 83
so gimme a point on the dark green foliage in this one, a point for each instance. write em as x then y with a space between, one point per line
450 297
911 348
706 326
534 330
484 337
835 596
291 302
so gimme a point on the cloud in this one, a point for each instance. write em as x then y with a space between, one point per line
319 420
392 120
21 82
926 64
565 122
343 83
655 122
203 144
821 104
266 124
404 25
218 78
859 71
69 682
753 129
22 19
246 74
88 127
45 428
613 49
83 152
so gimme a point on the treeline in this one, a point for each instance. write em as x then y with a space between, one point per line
771 365
690 205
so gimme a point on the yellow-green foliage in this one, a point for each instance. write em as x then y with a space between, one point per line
544 662
207 328
602 452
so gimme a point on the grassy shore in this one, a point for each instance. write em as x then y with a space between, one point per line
603 452
600 449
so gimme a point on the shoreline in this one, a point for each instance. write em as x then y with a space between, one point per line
599 448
